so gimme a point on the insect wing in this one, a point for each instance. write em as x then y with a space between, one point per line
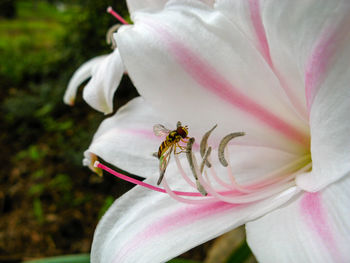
160 130
163 163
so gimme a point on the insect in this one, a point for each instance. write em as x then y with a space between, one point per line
169 145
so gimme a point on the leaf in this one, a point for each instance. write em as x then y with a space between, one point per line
38 210
223 246
242 254
230 248
108 202
79 258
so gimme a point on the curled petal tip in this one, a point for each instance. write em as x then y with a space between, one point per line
71 102
109 9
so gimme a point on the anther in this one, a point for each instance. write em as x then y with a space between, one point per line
193 165
96 163
205 159
204 144
223 144
190 157
109 36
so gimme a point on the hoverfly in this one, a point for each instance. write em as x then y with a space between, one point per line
170 144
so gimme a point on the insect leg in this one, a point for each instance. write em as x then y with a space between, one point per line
183 149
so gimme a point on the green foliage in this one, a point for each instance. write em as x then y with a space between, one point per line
36 189
88 27
61 182
108 202
25 40
42 139
38 210
240 255
80 258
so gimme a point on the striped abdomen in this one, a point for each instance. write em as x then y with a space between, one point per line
163 147
172 138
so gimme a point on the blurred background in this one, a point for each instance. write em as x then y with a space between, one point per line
49 203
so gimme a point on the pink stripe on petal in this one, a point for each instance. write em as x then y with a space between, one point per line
316 218
181 218
254 7
255 15
330 41
205 75
317 66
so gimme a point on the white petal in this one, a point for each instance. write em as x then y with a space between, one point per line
294 30
145 226
193 64
84 72
135 5
313 227
126 139
329 114
99 92
274 27
151 5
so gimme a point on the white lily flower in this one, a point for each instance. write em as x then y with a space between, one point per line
276 70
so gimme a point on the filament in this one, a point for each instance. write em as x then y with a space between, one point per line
177 197
137 182
116 15
182 172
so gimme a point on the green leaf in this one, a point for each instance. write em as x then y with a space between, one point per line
79 258
108 202
36 189
38 210
241 254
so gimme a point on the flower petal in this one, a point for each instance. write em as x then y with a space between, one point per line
148 5
329 113
84 72
313 227
98 93
126 139
169 56
135 5
145 226
274 35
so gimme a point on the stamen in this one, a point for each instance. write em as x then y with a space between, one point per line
190 157
182 172
204 143
233 179
116 15
275 182
137 182
109 36
204 160
174 195
218 180
275 176
239 198
193 165
223 145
